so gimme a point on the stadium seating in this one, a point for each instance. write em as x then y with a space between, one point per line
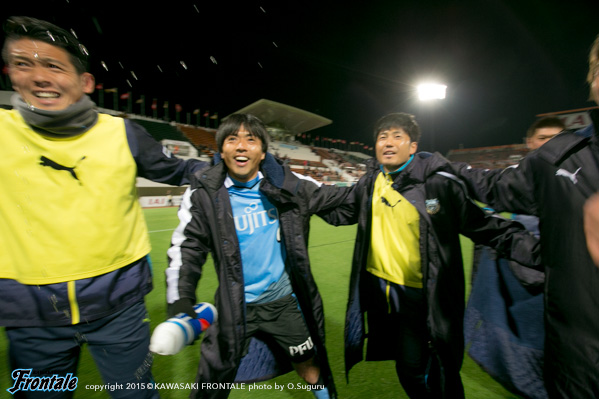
202 138
161 130
495 157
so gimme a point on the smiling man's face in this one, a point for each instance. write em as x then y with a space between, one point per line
242 153
393 148
44 75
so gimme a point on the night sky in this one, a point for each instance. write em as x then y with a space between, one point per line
503 61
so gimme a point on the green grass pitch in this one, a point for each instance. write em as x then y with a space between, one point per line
331 250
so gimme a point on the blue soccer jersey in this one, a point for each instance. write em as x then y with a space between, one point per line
258 233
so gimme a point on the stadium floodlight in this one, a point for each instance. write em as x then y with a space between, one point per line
431 91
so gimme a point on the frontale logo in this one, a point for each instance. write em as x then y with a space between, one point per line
55 383
432 206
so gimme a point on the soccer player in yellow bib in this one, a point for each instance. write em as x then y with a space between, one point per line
407 273
74 268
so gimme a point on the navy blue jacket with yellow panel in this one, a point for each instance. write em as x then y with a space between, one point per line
73 237
445 212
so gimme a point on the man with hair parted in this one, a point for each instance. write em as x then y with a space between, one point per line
252 214
504 320
558 183
74 268
407 273
543 130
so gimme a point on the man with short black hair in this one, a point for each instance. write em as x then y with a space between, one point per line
252 214
542 130
74 268
407 273
558 183
504 320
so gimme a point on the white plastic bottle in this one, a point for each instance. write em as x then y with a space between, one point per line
171 336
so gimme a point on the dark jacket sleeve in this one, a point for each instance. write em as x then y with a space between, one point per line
508 237
154 162
348 211
187 255
325 197
507 190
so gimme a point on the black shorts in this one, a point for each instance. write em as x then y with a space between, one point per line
281 320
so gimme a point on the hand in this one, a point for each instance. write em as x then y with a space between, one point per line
591 226
183 305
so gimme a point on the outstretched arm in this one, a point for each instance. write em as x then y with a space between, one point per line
154 162
508 189
327 201
345 212
508 237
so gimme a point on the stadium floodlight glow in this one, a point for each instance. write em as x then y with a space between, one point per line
431 91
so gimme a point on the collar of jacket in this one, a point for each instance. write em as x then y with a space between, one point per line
561 146
214 176
422 166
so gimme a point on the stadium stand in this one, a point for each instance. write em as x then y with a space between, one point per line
160 130
489 157
293 151
202 138
324 153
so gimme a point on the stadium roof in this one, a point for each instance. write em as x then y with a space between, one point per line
286 117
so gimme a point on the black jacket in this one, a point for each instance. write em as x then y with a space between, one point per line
553 182
211 229
445 212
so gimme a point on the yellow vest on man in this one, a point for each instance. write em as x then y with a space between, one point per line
394 253
69 205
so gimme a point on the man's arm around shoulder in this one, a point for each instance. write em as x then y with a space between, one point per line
154 161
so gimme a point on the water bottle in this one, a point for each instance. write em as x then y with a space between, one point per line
171 336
